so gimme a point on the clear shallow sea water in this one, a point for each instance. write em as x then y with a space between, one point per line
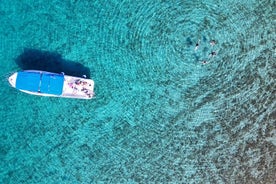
159 115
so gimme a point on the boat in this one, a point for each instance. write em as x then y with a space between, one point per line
44 83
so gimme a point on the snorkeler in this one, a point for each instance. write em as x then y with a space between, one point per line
197 45
212 54
204 62
212 42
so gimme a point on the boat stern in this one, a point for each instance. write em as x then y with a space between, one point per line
12 79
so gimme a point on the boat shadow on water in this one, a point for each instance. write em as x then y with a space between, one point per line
33 59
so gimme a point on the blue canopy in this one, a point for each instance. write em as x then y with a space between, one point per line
43 82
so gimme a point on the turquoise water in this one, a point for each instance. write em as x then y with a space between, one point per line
160 115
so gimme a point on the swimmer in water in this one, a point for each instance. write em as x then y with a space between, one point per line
197 45
212 42
212 54
204 62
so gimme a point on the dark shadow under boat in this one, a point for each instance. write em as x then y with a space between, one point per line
33 59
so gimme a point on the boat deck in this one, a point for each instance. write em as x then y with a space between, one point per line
75 87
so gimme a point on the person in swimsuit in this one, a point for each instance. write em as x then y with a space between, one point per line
197 45
212 42
212 54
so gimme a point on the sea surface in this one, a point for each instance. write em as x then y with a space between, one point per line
164 112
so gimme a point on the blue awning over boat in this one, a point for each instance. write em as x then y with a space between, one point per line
49 83
28 81
52 83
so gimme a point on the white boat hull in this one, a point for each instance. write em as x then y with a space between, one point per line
70 87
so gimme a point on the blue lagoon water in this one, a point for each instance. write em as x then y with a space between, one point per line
160 115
